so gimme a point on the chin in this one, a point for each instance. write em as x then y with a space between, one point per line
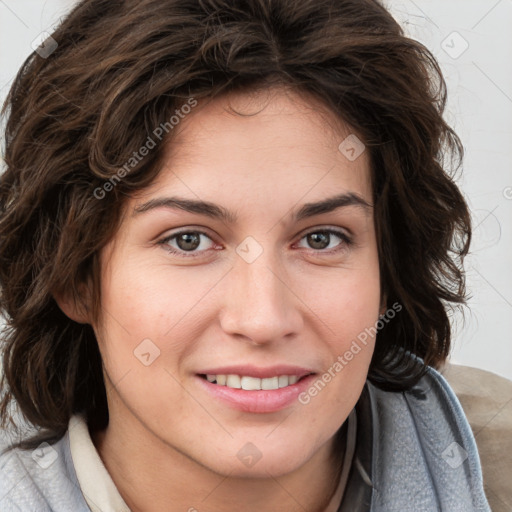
259 459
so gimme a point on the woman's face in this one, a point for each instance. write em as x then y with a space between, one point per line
246 279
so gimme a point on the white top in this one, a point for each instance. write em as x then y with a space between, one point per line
97 486
101 493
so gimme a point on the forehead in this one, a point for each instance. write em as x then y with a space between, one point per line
272 141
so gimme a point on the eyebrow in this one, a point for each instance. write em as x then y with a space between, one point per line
215 211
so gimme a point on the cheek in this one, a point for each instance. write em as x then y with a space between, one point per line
348 308
347 304
138 314
148 301
148 298
349 318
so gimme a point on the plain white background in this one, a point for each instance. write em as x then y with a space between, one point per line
472 41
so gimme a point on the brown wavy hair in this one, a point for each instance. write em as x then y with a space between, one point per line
122 68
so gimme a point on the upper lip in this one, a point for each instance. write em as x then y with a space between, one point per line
261 373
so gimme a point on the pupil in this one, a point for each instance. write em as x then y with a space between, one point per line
321 239
191 241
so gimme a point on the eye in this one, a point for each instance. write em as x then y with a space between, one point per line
186 243
322 239
192 243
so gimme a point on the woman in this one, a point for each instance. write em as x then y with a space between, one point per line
229 247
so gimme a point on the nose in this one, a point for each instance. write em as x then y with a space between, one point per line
260 305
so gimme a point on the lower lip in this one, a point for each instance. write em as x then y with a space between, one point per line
257 401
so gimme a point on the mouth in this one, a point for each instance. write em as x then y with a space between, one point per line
270 393
249 383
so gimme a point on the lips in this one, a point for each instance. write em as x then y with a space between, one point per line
256 390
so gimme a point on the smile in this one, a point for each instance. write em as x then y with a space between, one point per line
252 394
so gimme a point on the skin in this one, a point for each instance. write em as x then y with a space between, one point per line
168 443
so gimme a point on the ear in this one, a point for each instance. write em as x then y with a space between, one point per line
75 308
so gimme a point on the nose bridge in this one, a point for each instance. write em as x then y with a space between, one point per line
258 303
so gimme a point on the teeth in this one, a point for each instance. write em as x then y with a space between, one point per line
253 383
270 383
233 381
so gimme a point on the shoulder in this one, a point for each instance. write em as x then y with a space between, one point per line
424 448
487 402
42 479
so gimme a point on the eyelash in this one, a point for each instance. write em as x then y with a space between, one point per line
346 242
